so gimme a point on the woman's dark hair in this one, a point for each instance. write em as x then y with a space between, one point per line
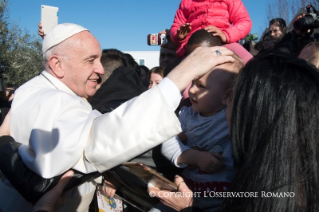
265 35
275 134
142 67
132 63
160 70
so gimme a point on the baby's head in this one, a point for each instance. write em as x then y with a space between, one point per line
209 93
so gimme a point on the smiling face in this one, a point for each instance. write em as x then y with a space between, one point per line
81 64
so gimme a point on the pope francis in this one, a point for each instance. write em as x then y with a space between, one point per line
59 130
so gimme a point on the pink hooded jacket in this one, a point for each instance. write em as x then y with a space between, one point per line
230 16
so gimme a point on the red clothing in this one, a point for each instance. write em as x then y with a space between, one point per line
230 16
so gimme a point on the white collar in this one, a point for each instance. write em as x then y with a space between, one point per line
55 82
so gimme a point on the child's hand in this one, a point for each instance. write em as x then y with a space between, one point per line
183 31
216 32
110 185
209 162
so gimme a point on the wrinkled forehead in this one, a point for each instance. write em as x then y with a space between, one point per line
83 41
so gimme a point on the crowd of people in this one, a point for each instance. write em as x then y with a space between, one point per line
239 132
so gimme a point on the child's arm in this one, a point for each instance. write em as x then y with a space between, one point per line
240 19
183 138
172 148
179 20
207 162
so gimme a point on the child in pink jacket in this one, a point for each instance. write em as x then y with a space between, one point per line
227 19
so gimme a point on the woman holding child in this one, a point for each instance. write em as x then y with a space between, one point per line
274 130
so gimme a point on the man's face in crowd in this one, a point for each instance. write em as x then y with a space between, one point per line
276 32
168 58
82 65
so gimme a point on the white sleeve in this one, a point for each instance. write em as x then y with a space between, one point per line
66 133
134 127
170 92
172 149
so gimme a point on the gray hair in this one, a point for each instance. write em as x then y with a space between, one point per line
54 50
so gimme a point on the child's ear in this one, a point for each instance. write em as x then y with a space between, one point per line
227 97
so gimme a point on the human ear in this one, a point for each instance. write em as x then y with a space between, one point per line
227 98
56 66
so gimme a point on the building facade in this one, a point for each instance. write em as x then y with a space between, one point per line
150 59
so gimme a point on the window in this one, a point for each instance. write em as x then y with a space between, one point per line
141 62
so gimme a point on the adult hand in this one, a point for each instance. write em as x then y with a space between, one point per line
216 32
52 201
177 200
183 31
198 63
40 30
5 127
209 162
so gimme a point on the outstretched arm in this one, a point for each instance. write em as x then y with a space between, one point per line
108 144
179 20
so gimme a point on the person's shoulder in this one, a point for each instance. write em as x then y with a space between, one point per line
62 98
47 96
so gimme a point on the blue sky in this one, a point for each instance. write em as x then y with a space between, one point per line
121 24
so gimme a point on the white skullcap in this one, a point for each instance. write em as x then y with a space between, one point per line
60 33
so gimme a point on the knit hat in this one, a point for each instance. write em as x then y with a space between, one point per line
60 33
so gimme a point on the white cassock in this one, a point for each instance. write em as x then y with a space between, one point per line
59 130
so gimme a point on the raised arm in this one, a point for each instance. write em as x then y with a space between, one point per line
179 19
147 120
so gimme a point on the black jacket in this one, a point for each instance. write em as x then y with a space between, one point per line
292 43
